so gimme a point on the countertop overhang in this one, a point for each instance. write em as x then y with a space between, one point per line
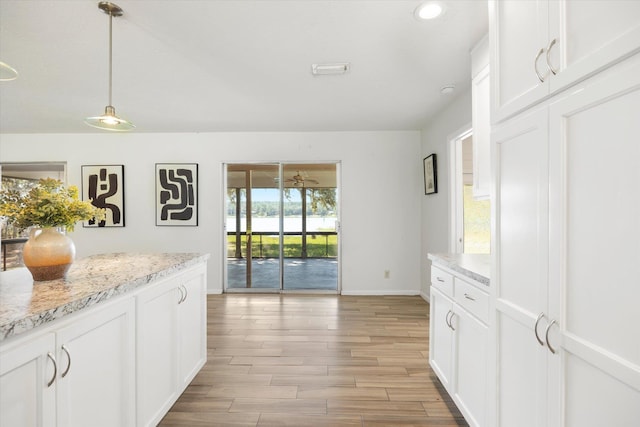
474 266
25 304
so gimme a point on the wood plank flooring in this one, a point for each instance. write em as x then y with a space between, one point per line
316 360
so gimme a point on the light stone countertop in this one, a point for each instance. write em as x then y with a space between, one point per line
473 266
25 304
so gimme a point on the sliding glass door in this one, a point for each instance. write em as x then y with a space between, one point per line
282 227
310 240
253 226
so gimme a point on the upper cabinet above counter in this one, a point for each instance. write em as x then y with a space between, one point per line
544 46
481 119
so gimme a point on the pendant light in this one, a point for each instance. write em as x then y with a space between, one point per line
7 72
109 120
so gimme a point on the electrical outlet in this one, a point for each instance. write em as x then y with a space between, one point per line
387 273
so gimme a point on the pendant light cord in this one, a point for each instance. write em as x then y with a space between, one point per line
110 57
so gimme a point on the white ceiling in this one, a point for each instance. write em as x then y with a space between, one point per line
238 65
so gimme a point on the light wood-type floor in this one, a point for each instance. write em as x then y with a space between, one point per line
316 360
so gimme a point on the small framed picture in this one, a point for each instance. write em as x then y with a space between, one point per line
176 194
103 186
430 174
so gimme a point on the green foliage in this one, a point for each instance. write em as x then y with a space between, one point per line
47 204
322 197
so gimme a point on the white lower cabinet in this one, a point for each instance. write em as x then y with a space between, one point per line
459 341
120 363
471 365
96 368
29 371
192 320
80 373
171 323
441 337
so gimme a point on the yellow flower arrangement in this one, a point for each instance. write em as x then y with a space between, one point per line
48 204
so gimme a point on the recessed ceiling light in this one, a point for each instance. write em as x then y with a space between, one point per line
429 10
446 90
334 68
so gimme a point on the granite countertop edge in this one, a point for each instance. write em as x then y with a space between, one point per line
16 326
473 266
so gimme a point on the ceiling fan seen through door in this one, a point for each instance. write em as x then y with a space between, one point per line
299 181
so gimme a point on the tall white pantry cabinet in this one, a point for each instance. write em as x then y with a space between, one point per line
565 306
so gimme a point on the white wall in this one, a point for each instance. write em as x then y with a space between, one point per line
436 218
380 193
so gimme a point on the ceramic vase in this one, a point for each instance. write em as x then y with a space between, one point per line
48 254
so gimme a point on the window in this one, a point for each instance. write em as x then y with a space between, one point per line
23 176
471 231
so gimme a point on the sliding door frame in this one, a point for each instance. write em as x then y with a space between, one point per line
281 187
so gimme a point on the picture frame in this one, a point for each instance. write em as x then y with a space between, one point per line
429 164
103 186
177 194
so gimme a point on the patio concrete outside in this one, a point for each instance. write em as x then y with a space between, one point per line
299 273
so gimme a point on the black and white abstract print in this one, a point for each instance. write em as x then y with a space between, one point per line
103 185
177 194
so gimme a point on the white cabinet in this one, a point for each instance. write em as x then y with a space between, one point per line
567 258
96 362
78 373
471 365
540 47
192 321
458 340
521 255
29 371
594 257
171 323
481 120
441 337
121 362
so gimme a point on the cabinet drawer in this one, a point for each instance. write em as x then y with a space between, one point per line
442 280
472 299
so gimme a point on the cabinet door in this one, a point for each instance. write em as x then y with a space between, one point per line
520 285
517 32
471 366
96 362
157 350
590 35
441 337
595 258
192 320
480 106
27 383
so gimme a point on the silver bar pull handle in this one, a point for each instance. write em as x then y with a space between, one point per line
55 369
446 318
553 70
535 329
449 320
535 65
469 297
186 293
546 336
181 295
66 351
440 279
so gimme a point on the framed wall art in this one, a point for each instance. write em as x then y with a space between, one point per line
103 185
430 174
177 194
